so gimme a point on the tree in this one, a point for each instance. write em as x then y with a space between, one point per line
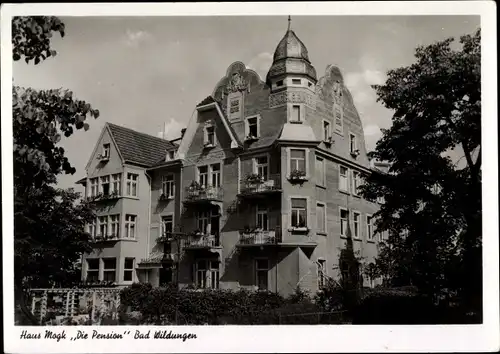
436 104
49 234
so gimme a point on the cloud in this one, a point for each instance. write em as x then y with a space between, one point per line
134 38
261 63
372 129
172 129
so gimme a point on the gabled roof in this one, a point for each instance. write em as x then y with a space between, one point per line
139 148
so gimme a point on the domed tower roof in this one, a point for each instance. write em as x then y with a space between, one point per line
291 57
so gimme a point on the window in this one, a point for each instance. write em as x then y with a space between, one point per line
356 226
356 182
116 183
103 226
369 227
279 83
261 273
132 179
353 143
339 124
207 274
262 167
203 176
343 182
94 183
295 113
167 185
109 273
128 269
299 212
114 225
170 155
321 217
92 228
326 130
130 223
297 160
296 81
252 127
210 135
321 264
106 151
215 170
167 224
344 219
320 171
92 269
262 218
105 186
204 222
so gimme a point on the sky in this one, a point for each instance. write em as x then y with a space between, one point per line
143 72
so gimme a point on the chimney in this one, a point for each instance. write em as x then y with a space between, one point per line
183 131
165 130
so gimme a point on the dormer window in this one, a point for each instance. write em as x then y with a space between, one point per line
353 145
252 128
279 83
170 155
209 136
327 134
104 156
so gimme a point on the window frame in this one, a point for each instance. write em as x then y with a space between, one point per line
116 183
129 224
168 184
359 225
257 118
262 211
163 222
355 182
321 231
256 165
88 269
300 111
207 274
128 270
210 174
370 226
94 187
327 137
130 183
205 216
107 270
346 190
306 161
351 150
323 174
111 223
103 223
291 211
105 180
106 150
343 233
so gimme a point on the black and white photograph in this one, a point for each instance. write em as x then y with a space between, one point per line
197 169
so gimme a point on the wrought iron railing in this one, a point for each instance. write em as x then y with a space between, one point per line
254 185
201 194
200 241
260 237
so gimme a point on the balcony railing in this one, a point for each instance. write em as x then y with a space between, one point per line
105 238
260 237
250 185
201 241
200 194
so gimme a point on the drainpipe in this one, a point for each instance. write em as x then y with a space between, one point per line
150 180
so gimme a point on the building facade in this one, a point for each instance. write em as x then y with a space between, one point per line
260 192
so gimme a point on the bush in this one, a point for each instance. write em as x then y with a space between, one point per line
213 307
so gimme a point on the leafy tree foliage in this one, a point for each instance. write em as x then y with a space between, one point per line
432 205
49 234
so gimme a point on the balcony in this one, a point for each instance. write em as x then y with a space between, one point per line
104 197
201 241
200 194
105 238
254 186
259 237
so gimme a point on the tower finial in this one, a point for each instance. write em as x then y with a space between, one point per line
289 22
